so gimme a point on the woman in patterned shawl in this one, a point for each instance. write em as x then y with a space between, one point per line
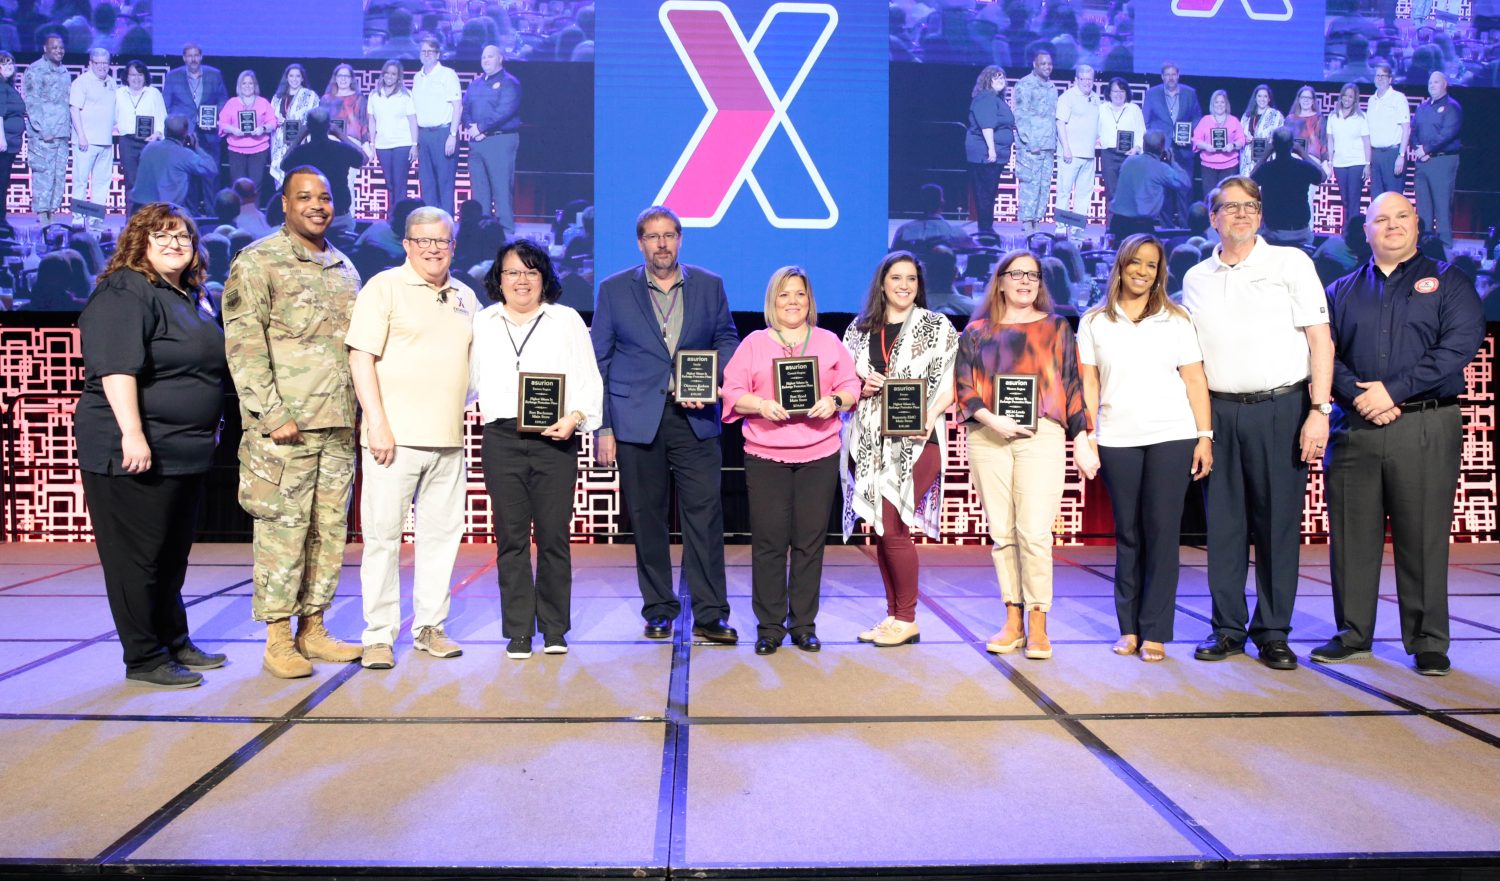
891 482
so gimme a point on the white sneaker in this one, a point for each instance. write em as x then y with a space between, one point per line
873 632
899 633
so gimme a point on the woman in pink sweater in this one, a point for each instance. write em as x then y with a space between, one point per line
1218 163
791 459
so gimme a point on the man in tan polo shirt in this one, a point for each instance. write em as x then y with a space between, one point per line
409 353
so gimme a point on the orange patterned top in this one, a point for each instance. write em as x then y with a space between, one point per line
1045 347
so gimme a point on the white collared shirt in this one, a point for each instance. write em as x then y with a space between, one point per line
1079 112
434 94
1142 398
1251 317
559 343
1386 115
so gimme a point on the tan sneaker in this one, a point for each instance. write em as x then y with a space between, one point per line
281 659
432 640
899 633
314 641
869 635
378 657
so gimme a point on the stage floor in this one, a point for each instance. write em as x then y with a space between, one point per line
632 757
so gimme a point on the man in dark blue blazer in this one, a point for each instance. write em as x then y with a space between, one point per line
187 88
1167 104
644 316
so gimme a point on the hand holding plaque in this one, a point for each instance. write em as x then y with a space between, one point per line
247 122
697 376
796 383
1219 137
903 408
208 117
1182 134
1015 398
145 126
540 401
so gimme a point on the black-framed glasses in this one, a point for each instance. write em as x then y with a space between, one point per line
1022 275
425 242
518 274
1238 208
654 238
165 239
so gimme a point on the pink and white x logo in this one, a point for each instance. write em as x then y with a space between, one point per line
743 112
1257 10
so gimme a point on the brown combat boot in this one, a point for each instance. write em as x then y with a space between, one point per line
314 641
281 659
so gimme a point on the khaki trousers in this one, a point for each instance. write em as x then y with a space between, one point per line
1020 484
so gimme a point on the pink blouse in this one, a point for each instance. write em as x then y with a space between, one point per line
800 438
229 124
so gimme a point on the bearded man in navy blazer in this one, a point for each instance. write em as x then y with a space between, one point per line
644 316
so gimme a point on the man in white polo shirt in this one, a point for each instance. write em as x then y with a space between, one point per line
409 354
1389 116
91 101
1262 321
1077 132
439 100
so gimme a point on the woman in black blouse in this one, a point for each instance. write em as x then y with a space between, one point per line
146 426
991 131
13 114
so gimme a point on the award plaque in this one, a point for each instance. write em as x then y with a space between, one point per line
1220 138
208 117
247 121
697 375
1182 134
540 401
337 125
1299 144
1258 147
145 126
903 408
1015 396
796 383
1124 141
291 131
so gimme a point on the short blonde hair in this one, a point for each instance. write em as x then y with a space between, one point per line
778 279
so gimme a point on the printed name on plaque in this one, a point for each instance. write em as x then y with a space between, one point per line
1220 138
1015 397
247 121
903 408
796 383
540 402
697 374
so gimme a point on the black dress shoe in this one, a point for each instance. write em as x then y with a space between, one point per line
765 646
1277 655
194 658
1433 664
1335 652
718 631
659 628
808 642
169 675
1217 648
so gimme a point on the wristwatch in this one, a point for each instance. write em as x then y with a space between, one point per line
1325 408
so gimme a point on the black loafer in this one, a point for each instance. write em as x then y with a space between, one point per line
194 658
1433 664
808 642
1217 648
717 631
659 628
169 675
1277 655
764 646
1335 652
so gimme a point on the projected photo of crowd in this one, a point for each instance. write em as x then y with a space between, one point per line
1461 38
120 27
525 30
1008 32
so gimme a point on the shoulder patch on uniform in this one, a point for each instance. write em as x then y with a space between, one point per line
1426 285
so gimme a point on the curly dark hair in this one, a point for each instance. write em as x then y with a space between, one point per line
134 244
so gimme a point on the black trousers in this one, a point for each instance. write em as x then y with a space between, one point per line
789 508
1109 171
1406 472
984 181
1147 490
130 160
530 481
1255 493
252 166
1212 177
395 167
7 163
678 454
1351 180
143 530
1121 226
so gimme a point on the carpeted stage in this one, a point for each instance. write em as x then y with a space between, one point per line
635 758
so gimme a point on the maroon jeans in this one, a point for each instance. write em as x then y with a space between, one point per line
894 552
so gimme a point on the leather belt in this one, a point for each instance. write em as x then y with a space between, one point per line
1428 404
1257 397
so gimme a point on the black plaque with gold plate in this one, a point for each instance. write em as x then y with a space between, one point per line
1219 137
539 400
145 126
796 382
247 121
903 408
1015 397
697 375
208 117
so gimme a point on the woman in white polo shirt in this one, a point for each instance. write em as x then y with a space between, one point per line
1143 383
392 124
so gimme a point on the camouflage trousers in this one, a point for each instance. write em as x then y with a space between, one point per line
299 497
49 173
1034 175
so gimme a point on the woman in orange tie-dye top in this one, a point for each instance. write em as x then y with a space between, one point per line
1017 470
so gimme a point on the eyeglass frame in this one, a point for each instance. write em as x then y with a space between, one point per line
431 242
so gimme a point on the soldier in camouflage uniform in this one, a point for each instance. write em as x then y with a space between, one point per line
287 305
46 85
1036 138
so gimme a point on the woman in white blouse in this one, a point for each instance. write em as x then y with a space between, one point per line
1118 114
530 474
293 101
393 130
1143 382
135 105
1348 159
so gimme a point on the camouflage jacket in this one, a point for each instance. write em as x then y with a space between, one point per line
286 311
47 86
1036 113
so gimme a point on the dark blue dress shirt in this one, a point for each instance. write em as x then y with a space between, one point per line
1413 330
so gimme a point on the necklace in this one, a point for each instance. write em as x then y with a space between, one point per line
789 347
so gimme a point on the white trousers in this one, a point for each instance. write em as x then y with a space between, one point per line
92 170
1075 184
434 476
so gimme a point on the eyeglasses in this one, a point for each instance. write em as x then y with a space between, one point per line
656 238
1022 275
164 239
424 243
1237 208
429 52
518 274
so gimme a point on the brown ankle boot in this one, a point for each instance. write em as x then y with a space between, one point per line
281 659
314 641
